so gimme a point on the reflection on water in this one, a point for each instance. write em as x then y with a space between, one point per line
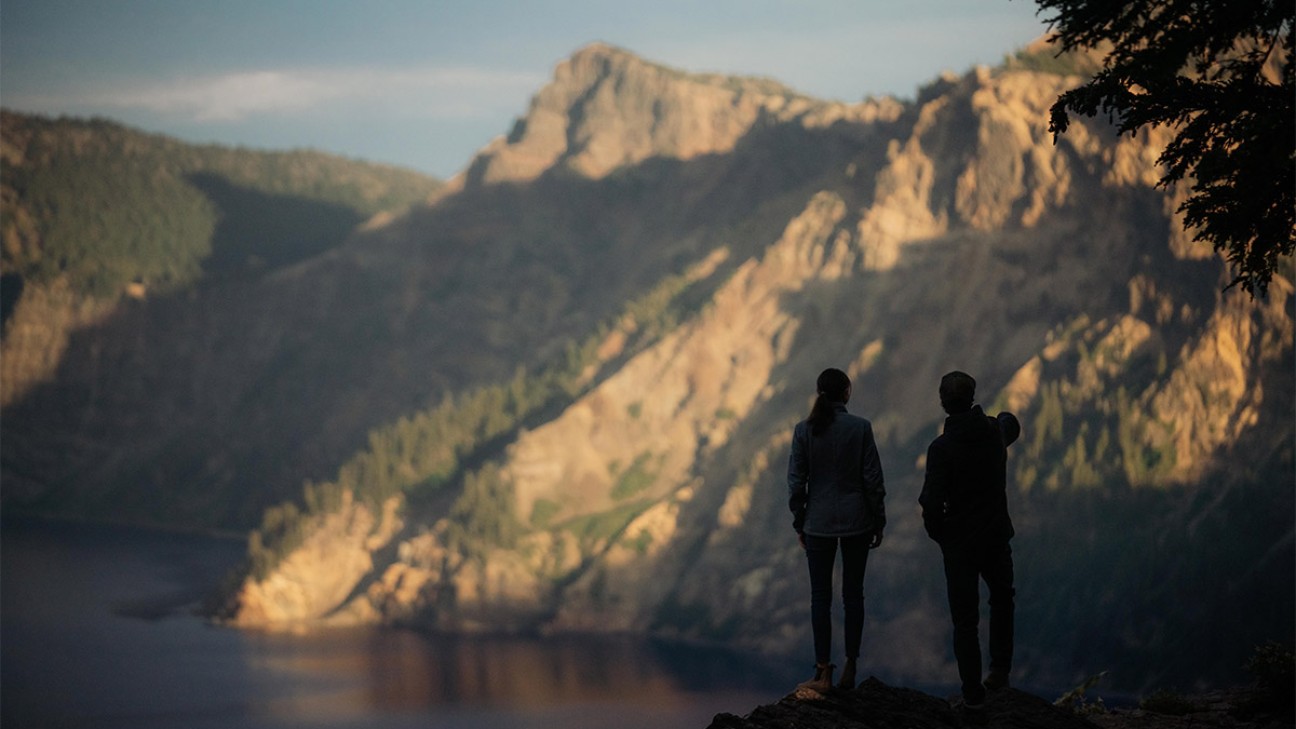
97 632
362 671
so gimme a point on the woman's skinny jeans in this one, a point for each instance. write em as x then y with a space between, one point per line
821 554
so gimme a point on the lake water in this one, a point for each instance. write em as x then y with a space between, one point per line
97 630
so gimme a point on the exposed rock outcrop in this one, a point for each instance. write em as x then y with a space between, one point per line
314 583
1233 708
874 704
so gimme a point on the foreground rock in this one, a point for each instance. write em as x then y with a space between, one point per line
1237 708
877 705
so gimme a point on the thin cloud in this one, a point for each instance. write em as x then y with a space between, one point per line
451 93
232 97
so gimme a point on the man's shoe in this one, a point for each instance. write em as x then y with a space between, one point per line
848 675
996 681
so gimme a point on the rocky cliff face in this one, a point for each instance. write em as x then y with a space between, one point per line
607 109
322 573
899 242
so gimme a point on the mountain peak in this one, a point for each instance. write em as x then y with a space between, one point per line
621 60
601 49
606 107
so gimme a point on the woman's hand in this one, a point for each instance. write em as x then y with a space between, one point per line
876 541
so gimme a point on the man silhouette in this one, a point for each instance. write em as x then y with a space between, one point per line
965 510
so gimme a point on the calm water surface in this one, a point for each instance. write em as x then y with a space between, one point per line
97 630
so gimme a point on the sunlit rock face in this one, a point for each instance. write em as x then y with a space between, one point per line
317 578
606 109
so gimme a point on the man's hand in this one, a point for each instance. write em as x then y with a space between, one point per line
801 539
876 541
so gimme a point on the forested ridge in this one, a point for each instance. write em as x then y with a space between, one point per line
107 206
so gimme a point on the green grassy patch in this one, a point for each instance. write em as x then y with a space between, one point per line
604 524
636 479
543 512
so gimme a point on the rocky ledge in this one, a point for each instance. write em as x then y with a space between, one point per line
875 705
1236 708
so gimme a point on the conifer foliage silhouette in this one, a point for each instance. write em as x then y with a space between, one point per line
1219 72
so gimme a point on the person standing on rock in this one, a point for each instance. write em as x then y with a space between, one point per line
835 492
965 510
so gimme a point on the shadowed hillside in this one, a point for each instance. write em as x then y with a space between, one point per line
257 232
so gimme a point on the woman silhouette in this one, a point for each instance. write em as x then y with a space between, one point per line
835 492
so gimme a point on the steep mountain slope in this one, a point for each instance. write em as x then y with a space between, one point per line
558 397
950 233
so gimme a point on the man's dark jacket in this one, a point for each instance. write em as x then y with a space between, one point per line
964 497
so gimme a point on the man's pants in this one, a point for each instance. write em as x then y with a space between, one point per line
965 566
821 554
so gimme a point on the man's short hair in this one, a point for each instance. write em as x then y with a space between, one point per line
957 391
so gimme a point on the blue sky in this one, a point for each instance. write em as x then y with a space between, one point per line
425 84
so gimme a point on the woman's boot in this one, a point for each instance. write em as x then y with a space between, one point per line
848 675
822 680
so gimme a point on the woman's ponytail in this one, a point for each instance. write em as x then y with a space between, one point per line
833 385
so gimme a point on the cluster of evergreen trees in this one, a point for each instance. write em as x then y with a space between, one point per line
1086 428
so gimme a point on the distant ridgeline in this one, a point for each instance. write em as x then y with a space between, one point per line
106 207
558 396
